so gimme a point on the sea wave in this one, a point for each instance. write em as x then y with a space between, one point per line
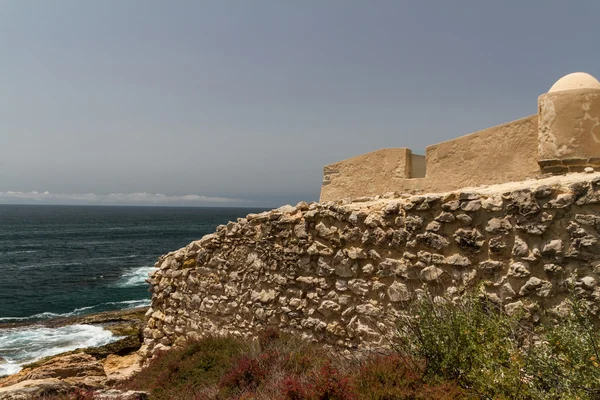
135 276
126 304
52 264
20 346
72 263
131 303
19 251
115 257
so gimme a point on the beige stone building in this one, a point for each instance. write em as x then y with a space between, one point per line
564 136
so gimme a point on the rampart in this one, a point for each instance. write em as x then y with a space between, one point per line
564 136
344 272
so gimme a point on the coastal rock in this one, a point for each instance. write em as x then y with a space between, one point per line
78 365
117 368
115 394
83 368
121 347
34 389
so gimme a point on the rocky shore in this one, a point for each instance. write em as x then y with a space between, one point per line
87 368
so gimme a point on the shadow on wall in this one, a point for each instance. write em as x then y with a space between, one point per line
417 166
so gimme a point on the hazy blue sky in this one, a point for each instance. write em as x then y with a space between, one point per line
117 100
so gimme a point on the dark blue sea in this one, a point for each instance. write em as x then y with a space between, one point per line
59 261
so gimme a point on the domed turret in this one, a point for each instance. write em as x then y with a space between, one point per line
576 80
569 124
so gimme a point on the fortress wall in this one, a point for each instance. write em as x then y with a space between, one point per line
499 154
563 137
344 273
369 174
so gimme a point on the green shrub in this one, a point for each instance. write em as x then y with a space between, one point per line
565 361
474 343
471 342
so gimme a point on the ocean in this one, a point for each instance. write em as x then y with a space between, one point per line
61 261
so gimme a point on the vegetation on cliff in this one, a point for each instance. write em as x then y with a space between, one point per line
444 350
282 367
493 355
465 349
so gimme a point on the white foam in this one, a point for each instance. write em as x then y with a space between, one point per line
78 311
20 346
135 276
43 315
9 368
132 303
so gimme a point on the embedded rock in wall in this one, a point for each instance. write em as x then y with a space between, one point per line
344 272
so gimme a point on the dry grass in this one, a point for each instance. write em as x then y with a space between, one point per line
282 367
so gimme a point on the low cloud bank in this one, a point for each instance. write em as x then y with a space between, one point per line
133 199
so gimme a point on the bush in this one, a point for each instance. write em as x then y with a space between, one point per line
394 377
293 389
267 336
330 384
245 375
185 373
565 362
285 368
446 350
472 343
488 353
75 394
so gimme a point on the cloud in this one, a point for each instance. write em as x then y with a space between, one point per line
157 199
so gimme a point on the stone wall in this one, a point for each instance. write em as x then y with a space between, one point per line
503 153
369 174
343 272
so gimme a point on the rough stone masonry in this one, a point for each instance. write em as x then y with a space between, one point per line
343 272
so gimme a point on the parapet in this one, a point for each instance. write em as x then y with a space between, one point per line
563 137
372 173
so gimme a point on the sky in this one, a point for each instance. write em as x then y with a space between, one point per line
242 103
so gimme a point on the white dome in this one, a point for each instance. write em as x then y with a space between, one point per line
576 80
